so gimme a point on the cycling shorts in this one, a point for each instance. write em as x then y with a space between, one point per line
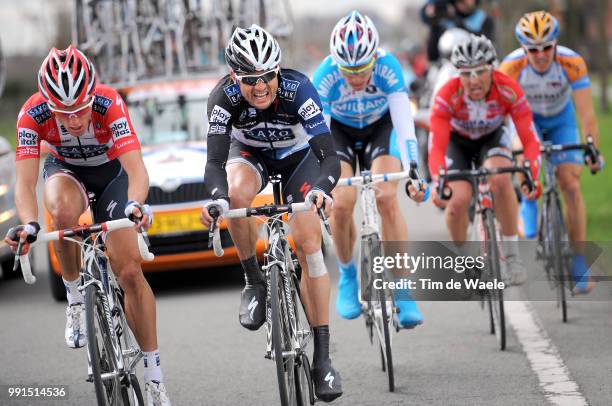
365 144
561 129
463 152
298 171
104 187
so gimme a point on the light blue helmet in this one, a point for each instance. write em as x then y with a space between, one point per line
354 40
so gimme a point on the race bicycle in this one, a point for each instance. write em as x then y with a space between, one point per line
487 233
553 246
287 325
111 348
378 306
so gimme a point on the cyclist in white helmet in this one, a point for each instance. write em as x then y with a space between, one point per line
364 98
267 120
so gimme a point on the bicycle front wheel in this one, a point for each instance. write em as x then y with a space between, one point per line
553 227
282 348
496 296
106 377
372 248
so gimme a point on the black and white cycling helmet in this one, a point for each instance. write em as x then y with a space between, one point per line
451 38
354 40
252 49
475 51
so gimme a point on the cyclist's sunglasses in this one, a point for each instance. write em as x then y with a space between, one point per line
547 46
76 113
474 72
354 70
252 80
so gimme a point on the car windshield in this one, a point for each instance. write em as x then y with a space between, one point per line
170 120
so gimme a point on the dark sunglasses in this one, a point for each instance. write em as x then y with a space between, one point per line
252 80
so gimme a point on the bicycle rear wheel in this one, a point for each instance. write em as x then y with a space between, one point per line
105 372
281 342
496 296
372 248
553 225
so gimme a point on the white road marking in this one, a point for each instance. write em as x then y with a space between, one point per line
544 358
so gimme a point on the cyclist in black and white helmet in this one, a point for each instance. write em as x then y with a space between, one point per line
476 51
267 120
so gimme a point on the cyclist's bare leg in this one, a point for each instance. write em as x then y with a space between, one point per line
506 205
306 232
393 222
243 183
456 213
568 176
342 224
139 300
64 200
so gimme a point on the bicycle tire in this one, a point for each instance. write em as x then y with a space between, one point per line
372 249
553 223
496 295
107 392
285 369
134 388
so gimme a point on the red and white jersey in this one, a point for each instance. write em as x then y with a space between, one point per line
110 132
453 111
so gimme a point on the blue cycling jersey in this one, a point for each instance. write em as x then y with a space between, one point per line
362 108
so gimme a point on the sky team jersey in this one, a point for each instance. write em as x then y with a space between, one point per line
550 92
294 117
453 111
110 132
358 109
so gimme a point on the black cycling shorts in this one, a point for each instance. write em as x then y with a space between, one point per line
364 144
104 186
298 171
463 152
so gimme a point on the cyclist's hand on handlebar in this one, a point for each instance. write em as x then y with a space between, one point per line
140 214
596 166
221 205
26 233
322 201
418 191
534 194
435 198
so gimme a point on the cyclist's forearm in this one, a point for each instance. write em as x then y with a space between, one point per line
403 123
138 186
26 202
215 175
324 150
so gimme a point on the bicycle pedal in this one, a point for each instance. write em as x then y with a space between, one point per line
268 355
89 378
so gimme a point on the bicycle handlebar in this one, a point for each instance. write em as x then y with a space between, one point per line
269 210
446 193
590 151
82 231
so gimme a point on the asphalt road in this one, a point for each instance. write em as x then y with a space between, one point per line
208 359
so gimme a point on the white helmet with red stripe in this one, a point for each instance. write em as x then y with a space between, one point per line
66 78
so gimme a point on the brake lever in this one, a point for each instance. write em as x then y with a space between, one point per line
214 213
322 215
17 255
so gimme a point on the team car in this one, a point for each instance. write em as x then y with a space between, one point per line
170 121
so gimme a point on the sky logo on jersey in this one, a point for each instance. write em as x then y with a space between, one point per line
217 129
120 128
309 109
219 115
288 89
269 134
101 104
26 137
40 113
233 93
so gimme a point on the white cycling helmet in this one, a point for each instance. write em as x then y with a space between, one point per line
475 51
451 38
252 49
354 40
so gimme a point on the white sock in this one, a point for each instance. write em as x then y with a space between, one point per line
152 368
510 244
72 291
